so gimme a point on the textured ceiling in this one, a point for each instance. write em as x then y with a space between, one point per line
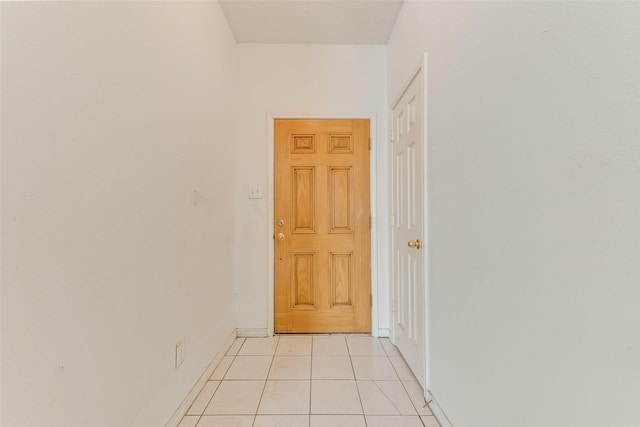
311 21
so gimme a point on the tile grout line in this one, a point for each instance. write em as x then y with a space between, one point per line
209 402
375 383
403 384
410 399
355 378
222 379
399 380
273 356
235 356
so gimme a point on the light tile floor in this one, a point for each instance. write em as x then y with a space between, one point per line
311 381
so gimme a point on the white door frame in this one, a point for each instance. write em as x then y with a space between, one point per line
271 117
422 67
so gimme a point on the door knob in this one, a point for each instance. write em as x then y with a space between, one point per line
281 222
416 244
280 236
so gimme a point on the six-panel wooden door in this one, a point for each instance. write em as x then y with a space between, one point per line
322 226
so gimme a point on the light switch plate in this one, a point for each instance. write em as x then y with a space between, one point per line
255 192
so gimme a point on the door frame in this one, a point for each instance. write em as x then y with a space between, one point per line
374 235
422 67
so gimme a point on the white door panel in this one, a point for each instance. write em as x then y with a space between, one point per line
408 226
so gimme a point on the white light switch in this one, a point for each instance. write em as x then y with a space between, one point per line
255 192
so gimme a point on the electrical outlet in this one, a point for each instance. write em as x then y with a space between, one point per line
179 353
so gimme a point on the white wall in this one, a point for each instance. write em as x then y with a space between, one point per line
117 236
298 80
534 192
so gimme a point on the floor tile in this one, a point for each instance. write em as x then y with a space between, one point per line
417 397
189 421
330 345
236 398
235 347
385 398
259 346
373 368
294 346
337 421
389 348
429 421
201 402
281 421
365 346
249 368
226 421
392 421
402 369
222 368
285 397
331 368
335 397
290 368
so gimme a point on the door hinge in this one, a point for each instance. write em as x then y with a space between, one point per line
370 222
369 143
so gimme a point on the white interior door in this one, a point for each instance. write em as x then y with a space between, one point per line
408 241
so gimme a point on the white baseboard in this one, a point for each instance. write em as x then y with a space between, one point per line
252 332
437 410
195 390
384 332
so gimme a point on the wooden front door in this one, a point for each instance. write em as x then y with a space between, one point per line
322 226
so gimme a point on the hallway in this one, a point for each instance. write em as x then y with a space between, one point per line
311 381
137 212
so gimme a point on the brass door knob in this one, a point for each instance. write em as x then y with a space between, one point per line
280 236
416 244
